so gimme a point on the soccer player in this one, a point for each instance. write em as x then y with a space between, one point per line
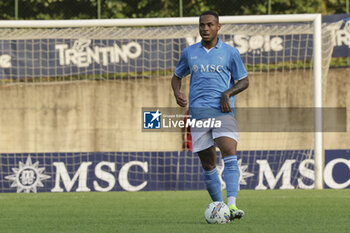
217 75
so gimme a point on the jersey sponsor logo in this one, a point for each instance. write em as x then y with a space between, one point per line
209 68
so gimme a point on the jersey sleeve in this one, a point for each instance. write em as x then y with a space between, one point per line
182 69
238 70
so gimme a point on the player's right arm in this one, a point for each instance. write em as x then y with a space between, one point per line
180 97
181 70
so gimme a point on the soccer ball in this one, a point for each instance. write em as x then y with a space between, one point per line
217 212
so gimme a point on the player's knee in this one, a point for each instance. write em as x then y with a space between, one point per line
228 151
208 166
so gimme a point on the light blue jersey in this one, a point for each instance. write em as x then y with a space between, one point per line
212 72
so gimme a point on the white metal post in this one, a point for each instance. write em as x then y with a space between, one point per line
318 135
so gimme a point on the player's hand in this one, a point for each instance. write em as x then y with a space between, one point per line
181 99
225 103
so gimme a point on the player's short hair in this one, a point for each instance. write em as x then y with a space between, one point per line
213 13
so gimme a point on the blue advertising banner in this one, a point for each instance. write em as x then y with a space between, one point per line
67 57
146 171
31 58
342 39
337 169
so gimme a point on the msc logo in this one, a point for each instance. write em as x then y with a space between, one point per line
151 120
27 177
208 68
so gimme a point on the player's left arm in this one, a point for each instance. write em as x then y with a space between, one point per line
239 75
239 86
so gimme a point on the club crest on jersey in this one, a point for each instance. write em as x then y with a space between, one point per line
195 68
209 68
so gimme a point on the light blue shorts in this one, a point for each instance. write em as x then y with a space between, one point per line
203 137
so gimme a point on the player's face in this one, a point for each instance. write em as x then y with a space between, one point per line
208 28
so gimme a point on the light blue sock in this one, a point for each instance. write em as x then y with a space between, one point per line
212 181
231 175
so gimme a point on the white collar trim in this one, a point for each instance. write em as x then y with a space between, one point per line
208 50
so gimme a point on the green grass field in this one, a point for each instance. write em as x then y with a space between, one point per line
174 211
